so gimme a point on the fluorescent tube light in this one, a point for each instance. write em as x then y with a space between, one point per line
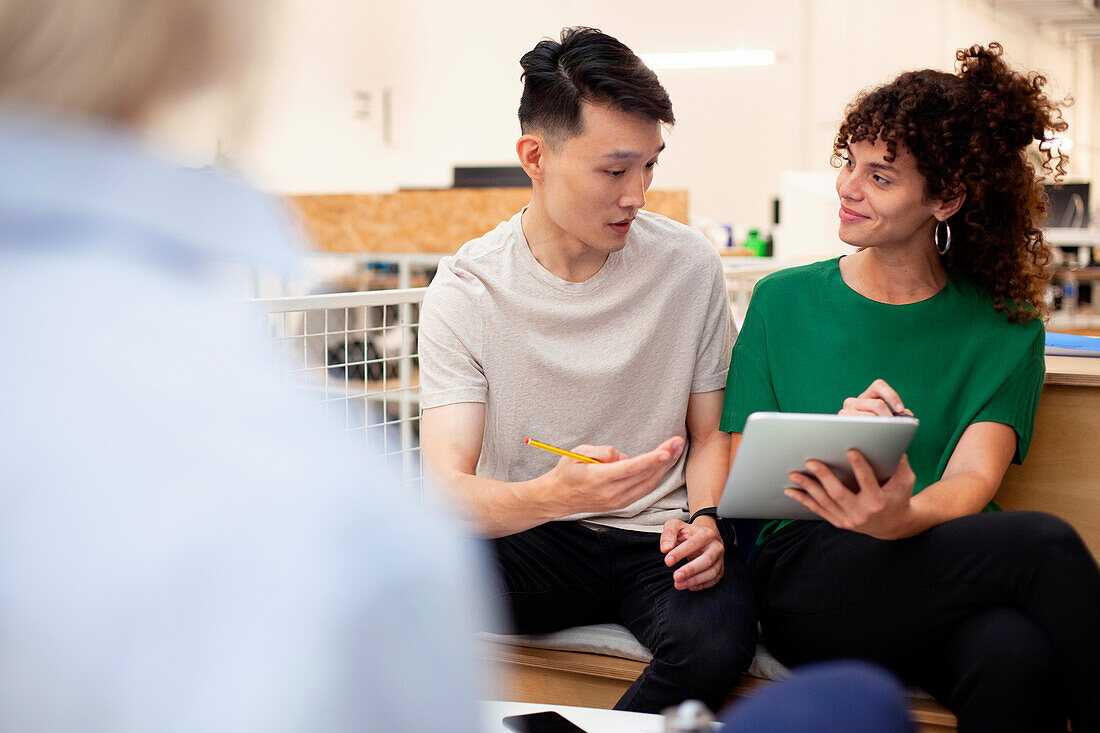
708 59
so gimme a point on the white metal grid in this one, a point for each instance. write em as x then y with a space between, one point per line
355 354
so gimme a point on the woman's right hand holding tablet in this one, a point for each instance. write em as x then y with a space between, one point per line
878 399
881 510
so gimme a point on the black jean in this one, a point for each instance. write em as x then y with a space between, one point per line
563 574
997 615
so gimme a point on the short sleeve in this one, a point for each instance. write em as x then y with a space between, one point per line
449 343
1016 402
748 384
713 354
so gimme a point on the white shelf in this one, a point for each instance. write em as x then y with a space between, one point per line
1070 237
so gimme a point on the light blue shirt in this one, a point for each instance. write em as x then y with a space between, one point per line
184 547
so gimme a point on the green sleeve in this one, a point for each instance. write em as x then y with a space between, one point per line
1016 401
748 384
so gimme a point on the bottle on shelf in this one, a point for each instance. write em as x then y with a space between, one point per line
755 244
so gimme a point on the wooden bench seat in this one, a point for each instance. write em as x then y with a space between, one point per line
555 677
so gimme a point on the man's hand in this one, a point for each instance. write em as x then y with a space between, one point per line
701 545
574 487
451 438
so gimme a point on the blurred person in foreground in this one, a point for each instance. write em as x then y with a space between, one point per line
182 547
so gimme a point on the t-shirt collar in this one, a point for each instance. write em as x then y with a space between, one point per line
541 273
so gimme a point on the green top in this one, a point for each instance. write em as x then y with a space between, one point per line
809 341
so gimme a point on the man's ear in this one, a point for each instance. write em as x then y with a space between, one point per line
532 150
947 208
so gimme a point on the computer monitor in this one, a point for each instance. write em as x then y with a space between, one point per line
1067 205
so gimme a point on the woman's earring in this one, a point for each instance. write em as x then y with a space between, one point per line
947 237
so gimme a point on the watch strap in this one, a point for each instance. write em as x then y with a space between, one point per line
710 511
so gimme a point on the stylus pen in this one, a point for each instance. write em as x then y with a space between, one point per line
895 413
560 452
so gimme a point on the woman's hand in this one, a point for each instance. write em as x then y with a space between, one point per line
882 511
878 399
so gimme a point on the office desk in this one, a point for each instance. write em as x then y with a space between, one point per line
1061 473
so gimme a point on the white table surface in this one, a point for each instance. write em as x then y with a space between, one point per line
593 720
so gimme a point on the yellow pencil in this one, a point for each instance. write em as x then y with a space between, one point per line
560 452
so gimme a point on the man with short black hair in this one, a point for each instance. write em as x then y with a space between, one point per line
590 324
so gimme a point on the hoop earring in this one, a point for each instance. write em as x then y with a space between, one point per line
947 238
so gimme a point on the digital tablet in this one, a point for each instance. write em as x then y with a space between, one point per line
776 443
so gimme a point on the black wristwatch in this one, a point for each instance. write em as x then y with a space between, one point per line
710 511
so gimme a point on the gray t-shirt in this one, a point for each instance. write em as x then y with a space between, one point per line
610 361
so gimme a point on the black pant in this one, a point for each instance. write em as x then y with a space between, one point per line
996 615
564 574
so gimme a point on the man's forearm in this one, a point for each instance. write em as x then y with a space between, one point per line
706 469
496 508
451 443
450 438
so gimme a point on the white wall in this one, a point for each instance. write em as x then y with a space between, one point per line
454 74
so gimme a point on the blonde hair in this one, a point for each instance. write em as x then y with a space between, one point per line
113 59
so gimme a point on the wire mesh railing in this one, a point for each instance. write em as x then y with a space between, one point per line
355 354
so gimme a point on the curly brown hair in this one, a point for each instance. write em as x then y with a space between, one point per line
969 133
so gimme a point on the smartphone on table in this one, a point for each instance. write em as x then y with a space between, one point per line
545 722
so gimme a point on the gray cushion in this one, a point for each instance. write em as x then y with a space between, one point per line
610 639
615 641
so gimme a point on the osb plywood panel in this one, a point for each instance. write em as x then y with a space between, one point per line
427 221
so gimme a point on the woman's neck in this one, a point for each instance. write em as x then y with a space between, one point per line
895 277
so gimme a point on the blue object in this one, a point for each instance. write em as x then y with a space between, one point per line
834 697
1065 344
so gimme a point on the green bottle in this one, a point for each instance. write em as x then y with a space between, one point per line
755 244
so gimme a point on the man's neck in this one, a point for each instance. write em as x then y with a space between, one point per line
555 249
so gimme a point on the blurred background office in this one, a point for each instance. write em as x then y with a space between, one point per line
371 98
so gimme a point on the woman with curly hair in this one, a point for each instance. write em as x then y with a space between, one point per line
938 314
